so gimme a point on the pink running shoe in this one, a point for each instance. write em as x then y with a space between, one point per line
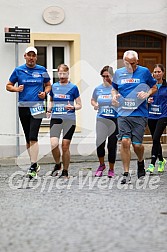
110 173
100 170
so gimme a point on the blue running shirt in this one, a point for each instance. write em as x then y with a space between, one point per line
128 85
158 109
61 95
33 80
102 95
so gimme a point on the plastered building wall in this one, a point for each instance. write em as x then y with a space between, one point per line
97 23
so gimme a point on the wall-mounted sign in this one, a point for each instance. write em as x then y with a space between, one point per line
17 35
53 15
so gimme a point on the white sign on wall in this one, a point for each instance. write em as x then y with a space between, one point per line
53 15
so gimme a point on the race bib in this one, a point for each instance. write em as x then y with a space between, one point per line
155 109
59 109
37 109
129 103
106 111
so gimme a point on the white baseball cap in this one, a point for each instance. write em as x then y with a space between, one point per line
31 49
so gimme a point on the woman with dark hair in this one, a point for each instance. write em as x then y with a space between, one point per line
157 119
106 122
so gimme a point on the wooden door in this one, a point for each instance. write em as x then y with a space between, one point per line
149 59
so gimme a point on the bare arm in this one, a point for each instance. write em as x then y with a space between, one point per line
77 106
50 105
78 103
94 104
152 90
47 87
145 95
12 88
115 96
43 94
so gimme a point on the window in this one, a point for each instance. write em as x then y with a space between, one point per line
58 58
139 41
50 55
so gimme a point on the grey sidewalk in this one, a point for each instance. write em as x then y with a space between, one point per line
78 158
83 213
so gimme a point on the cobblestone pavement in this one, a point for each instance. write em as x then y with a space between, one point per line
83 213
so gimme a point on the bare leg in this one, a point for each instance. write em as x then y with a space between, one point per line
101 160
126 153
55 149
33 151
28 148
66 153
111 166
139 150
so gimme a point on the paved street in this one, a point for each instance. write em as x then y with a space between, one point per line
83 213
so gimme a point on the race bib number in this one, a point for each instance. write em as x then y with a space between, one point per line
59 109
129 103
155 109
37 109
106 111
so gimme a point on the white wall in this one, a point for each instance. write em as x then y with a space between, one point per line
98 23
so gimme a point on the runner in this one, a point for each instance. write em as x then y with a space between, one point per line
157 119
64 101
132 85
33 86
106 122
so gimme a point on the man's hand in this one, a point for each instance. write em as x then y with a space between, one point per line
20 88
41 95
115 101
69 106
142 95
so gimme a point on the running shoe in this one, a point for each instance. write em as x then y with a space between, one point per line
100 170
126 178
33 172
110 173
56 168
140 169
161 165
150 168
64 174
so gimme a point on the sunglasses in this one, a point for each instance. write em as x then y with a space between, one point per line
105 76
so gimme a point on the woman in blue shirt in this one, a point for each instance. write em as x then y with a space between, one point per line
106 122
157 119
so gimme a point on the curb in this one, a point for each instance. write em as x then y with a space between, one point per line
48 159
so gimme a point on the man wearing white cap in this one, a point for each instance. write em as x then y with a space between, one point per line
33 86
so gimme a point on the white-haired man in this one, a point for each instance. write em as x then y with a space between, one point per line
132 85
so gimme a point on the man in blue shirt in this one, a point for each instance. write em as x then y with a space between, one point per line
64 101
132 85
33 86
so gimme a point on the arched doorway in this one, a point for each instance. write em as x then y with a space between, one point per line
151 48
